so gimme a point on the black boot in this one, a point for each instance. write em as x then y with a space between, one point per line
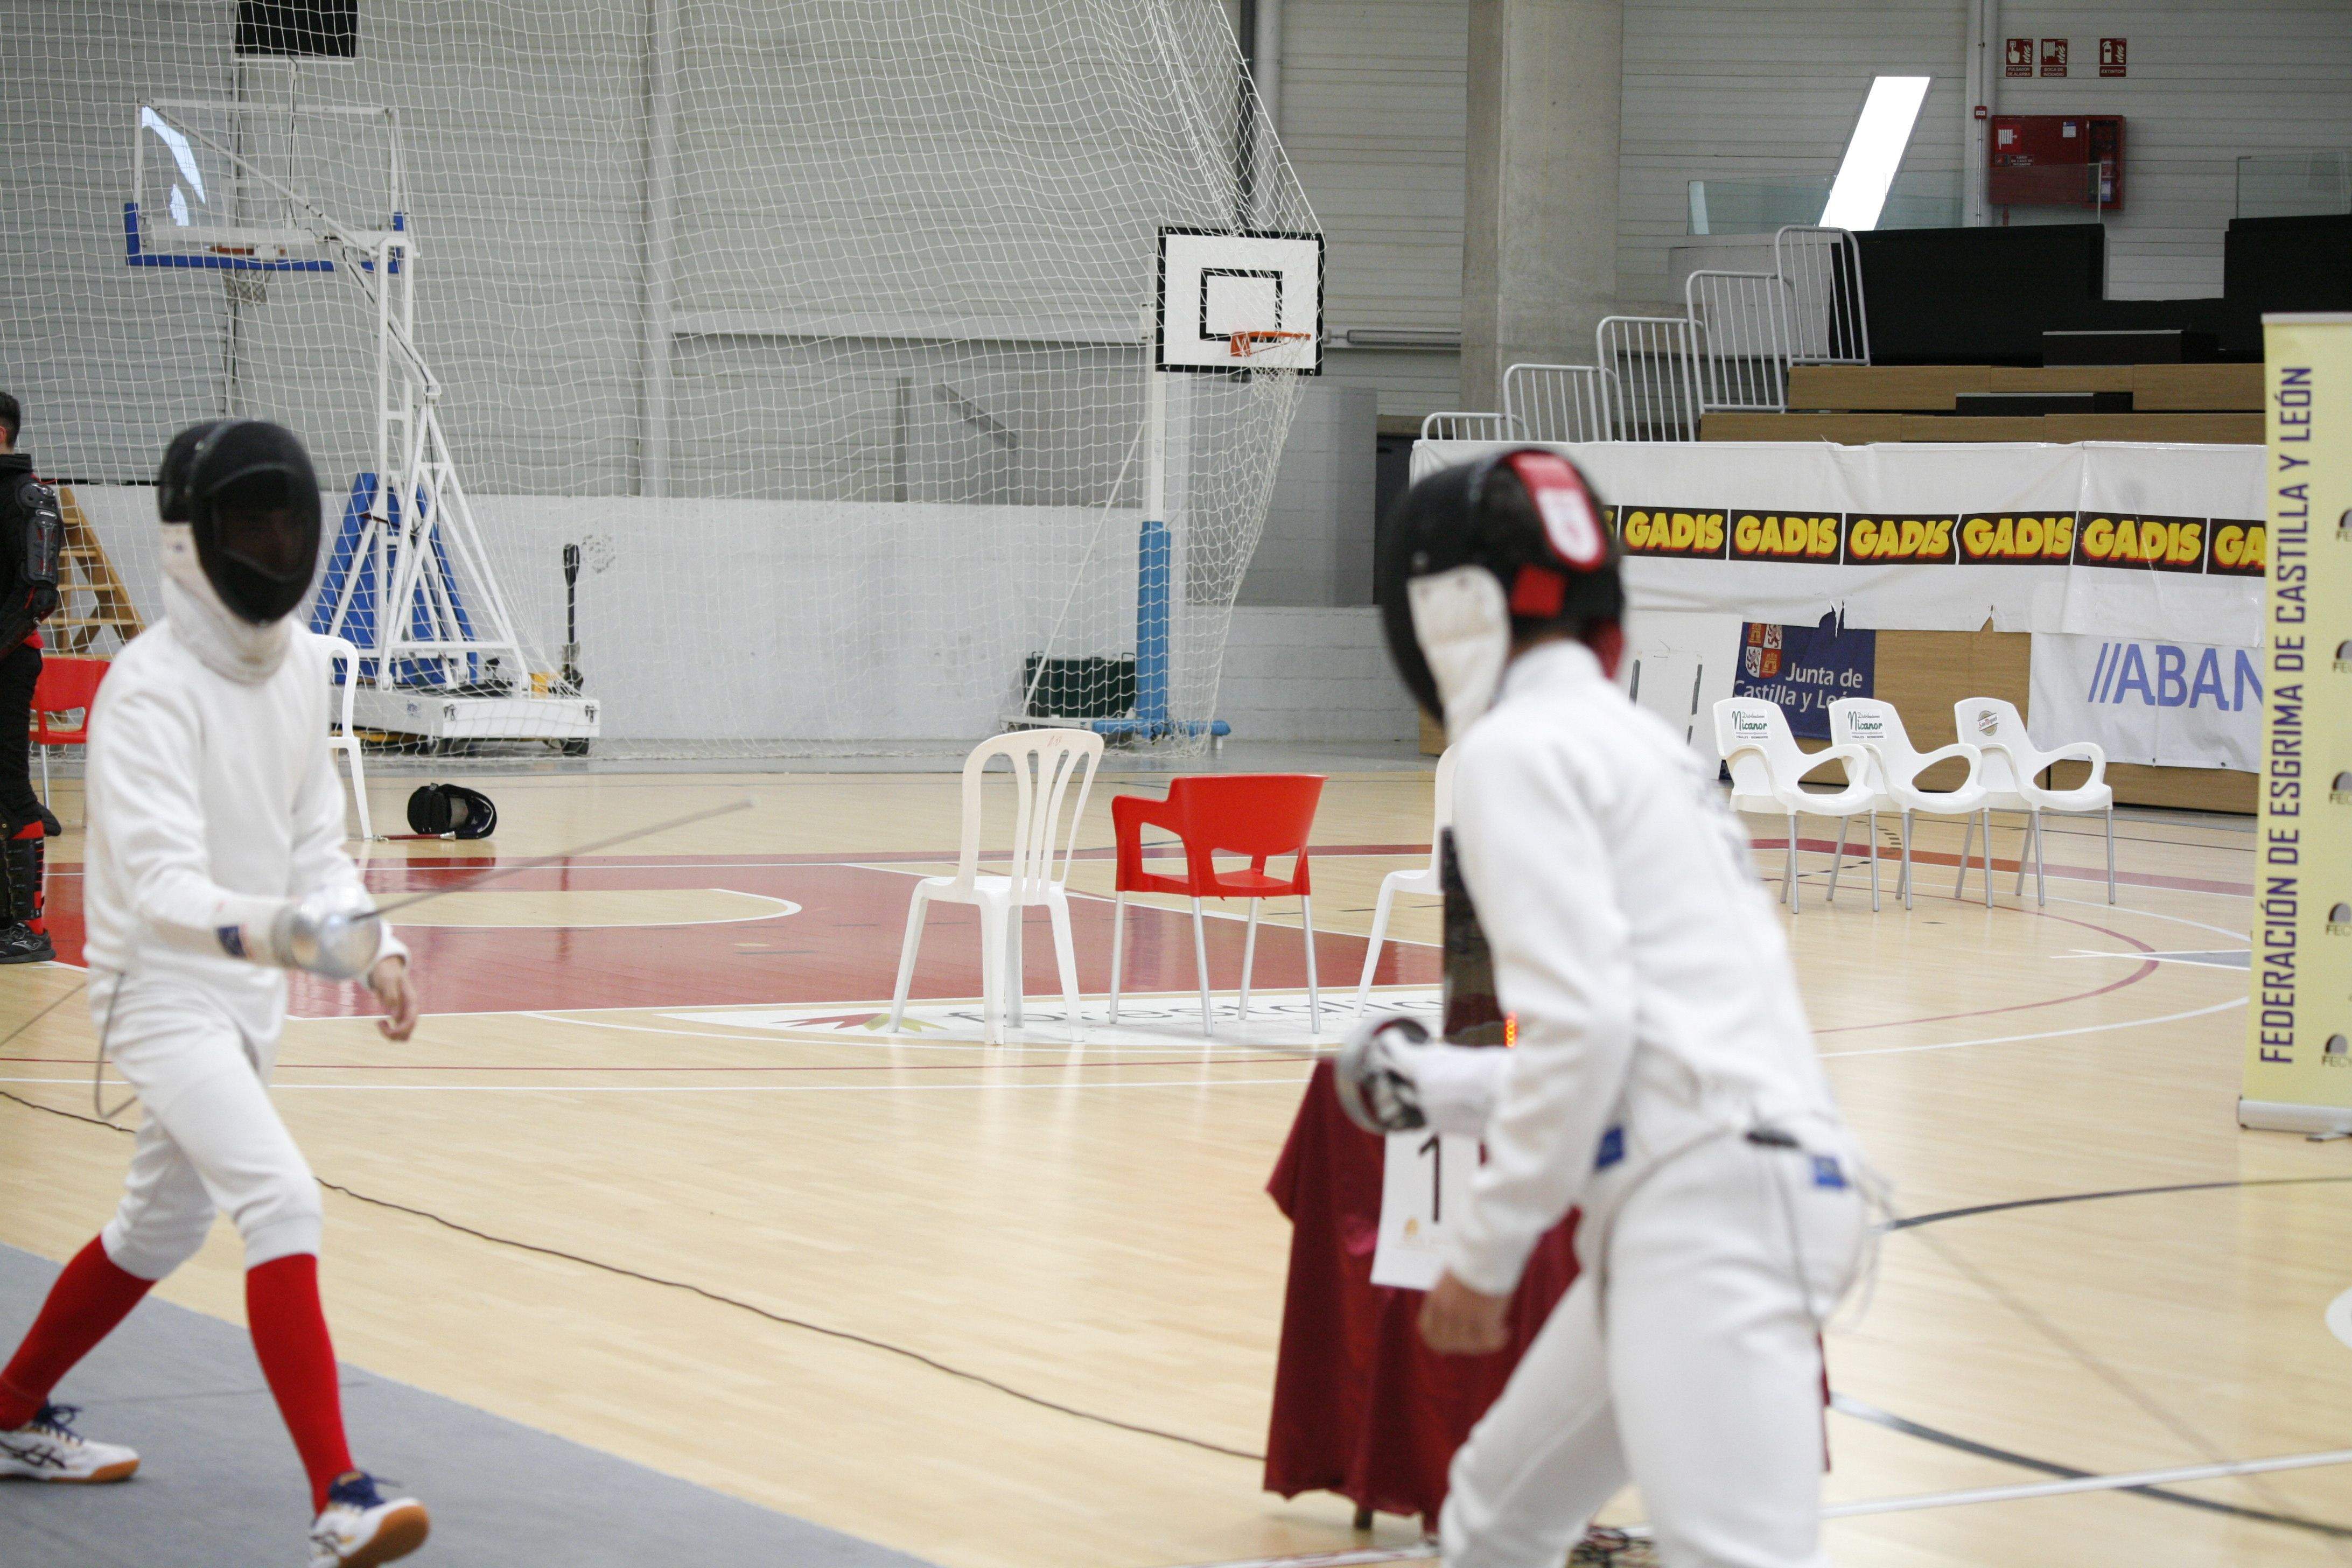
21 939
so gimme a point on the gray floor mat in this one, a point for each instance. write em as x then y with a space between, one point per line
220 1486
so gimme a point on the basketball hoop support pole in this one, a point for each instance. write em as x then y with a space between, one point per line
1154 562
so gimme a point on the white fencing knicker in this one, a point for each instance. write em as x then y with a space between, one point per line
210 1140
1687 1356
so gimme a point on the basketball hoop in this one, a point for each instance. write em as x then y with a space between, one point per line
1244 344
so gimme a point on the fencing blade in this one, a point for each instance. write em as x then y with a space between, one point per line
540 862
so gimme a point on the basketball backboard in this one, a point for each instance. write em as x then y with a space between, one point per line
242 183
1239 299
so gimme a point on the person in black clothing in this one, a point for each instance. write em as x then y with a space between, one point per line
29 532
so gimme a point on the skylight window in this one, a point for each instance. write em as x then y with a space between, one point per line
1875 151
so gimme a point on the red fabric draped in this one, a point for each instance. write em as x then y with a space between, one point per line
1361 1408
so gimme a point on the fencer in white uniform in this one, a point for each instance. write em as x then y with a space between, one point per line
1665 1080
215 864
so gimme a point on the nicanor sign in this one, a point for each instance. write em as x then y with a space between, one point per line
2298 1073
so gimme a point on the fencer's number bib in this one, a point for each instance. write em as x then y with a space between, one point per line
1424 1183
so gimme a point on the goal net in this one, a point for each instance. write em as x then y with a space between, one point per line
795 361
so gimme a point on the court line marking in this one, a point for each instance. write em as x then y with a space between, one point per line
784 906
1419 1554
2339 1317
2045 1035
1272 1054
2122 1480
2126 1480
1182 1083
718 1299
1858 1410
1203 1082
2151 914
2202 958
894 1042
2133 979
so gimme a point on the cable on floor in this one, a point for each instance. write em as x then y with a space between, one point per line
725 1301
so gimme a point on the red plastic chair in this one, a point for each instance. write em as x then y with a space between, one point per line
1258 815
66 685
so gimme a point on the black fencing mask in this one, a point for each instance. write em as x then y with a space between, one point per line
179 460
461 813
251 500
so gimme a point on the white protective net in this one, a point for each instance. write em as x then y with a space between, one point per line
820 328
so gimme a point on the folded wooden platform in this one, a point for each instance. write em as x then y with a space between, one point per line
1861 428
1931 388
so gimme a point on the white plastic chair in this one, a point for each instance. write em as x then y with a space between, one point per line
1043 763
1429 879
346 740
2011 763
1767 770
1893 767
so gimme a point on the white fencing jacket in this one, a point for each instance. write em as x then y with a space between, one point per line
1644 960
213 800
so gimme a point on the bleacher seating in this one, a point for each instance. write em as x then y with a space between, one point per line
1852 403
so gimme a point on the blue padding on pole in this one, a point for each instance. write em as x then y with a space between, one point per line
359 620
344 561
1153 555
1154 729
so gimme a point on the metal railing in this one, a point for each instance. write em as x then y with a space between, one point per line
1654 376
1461 424
1742 339
1651 366
1559 401
1822 267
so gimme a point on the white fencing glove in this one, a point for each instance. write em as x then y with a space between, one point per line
1391 1077
1373 1079
333 932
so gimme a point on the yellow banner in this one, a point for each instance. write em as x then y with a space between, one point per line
2299 1037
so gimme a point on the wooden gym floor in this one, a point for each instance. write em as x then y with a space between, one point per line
652 1177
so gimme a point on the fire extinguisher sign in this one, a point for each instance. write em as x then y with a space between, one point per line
2111 57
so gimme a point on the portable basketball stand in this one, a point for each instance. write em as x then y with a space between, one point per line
430 664
1238 295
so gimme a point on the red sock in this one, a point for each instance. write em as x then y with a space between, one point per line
289 1336
89 1298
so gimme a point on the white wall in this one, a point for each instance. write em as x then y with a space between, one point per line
1372 115
1745 89
805 619
760 655
1295 674
1318 545
2207 82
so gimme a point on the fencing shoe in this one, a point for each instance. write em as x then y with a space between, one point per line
47 1449
22 945
359 1528
24 937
